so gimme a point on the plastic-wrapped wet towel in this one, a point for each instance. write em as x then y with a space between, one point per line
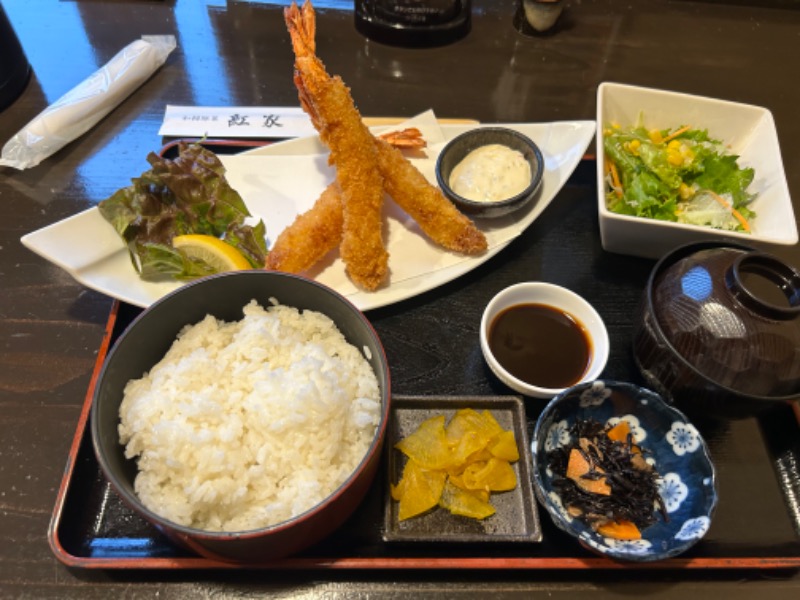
83 106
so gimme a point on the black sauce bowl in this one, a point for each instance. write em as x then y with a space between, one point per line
461 145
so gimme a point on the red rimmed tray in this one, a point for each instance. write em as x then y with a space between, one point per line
756 525
91 528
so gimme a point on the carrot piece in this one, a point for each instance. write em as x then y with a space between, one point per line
577 469
620 530
676 133
736 214
615 179
620 432
577 465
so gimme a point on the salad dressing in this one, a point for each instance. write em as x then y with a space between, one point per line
491 173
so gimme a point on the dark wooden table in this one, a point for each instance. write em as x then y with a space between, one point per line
237 53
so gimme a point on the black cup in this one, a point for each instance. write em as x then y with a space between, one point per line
14 67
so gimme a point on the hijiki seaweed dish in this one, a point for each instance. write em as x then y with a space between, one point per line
605 479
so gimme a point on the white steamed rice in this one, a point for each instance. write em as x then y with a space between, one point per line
247 424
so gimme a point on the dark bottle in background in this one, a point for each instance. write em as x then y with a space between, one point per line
413 22
14 67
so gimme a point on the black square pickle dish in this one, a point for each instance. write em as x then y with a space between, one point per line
756 524
517 516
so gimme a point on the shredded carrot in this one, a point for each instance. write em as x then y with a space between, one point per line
737 215
615 179
676 133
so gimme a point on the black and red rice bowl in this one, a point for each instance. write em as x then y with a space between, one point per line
147 340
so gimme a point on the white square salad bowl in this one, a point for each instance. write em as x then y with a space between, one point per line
746 130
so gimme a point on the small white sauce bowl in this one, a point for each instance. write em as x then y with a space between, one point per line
537 292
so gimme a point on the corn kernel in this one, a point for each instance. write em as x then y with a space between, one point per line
674 158
674 145
655 136
632 147
685 191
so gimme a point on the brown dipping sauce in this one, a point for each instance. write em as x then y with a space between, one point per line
541 345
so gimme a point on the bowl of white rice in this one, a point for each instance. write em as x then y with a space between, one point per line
244 414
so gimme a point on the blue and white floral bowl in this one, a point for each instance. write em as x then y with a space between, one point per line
677 451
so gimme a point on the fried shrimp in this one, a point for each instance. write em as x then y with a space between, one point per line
328 102
438 218
311 236
317 231
348 213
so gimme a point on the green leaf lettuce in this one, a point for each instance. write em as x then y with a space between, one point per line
187 195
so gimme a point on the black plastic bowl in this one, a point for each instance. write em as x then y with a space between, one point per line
461 145
147 340
706 342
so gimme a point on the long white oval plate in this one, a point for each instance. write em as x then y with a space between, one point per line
281 180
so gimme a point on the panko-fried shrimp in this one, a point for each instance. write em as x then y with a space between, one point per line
318 231
352 151
425 203
311 236
348 213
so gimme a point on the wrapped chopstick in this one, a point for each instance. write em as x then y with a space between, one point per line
86 104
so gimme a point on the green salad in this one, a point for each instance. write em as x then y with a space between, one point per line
187 195
679 175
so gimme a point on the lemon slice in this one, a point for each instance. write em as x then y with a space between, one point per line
219 255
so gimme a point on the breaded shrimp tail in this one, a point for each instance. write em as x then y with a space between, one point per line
352 151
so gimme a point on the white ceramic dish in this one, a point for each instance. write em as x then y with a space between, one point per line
537 292
748 130
281 180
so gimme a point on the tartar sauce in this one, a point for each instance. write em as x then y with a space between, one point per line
491 173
